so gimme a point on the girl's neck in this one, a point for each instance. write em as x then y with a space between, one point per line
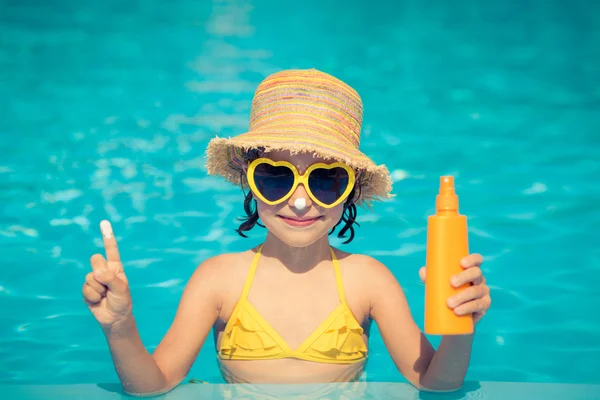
297 259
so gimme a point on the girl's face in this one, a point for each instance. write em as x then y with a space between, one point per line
299 223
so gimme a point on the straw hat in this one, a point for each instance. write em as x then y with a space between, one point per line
303 111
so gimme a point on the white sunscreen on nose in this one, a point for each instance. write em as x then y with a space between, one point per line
300 203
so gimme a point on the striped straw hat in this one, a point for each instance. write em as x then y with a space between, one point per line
303 111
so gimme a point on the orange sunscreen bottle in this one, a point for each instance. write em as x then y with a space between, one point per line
447 244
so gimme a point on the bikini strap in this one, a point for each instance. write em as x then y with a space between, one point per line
338 277
251 273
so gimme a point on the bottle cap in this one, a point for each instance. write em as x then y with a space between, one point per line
446 200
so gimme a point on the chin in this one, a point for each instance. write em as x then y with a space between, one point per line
298 241
299 237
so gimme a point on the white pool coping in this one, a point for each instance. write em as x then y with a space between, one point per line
359 390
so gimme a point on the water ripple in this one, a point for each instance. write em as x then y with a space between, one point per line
112 120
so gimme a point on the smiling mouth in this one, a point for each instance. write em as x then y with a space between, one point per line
300 221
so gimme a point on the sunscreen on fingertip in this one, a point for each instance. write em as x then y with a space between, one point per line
447 244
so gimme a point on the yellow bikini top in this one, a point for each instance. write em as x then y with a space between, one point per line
247 336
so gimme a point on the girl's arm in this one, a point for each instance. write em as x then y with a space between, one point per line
413 355
144 374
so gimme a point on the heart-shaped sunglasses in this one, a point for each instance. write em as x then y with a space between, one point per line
275 181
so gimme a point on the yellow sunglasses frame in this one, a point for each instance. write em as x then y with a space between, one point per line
299 179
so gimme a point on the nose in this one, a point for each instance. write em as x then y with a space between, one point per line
300 199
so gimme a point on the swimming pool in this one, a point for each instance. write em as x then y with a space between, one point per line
108 107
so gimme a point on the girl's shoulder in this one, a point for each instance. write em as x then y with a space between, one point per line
227 267
226 263
365 279
357 262
221 273
363 269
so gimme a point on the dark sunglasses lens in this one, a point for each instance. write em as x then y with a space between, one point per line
328 185
273 182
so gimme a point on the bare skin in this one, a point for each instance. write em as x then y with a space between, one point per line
294 289
295 314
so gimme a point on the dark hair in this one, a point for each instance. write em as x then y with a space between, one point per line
251 218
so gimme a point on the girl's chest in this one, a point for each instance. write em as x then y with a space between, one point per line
295 309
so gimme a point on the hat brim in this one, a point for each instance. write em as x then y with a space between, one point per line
225 158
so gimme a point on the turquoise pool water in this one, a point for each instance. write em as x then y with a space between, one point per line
106 109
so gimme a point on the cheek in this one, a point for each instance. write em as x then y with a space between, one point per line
334 214
264 210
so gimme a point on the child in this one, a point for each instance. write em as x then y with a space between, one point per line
293 309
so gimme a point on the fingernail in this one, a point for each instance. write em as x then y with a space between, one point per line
106 229
450 302
454 281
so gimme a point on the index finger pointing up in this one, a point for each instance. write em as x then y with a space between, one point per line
110 244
